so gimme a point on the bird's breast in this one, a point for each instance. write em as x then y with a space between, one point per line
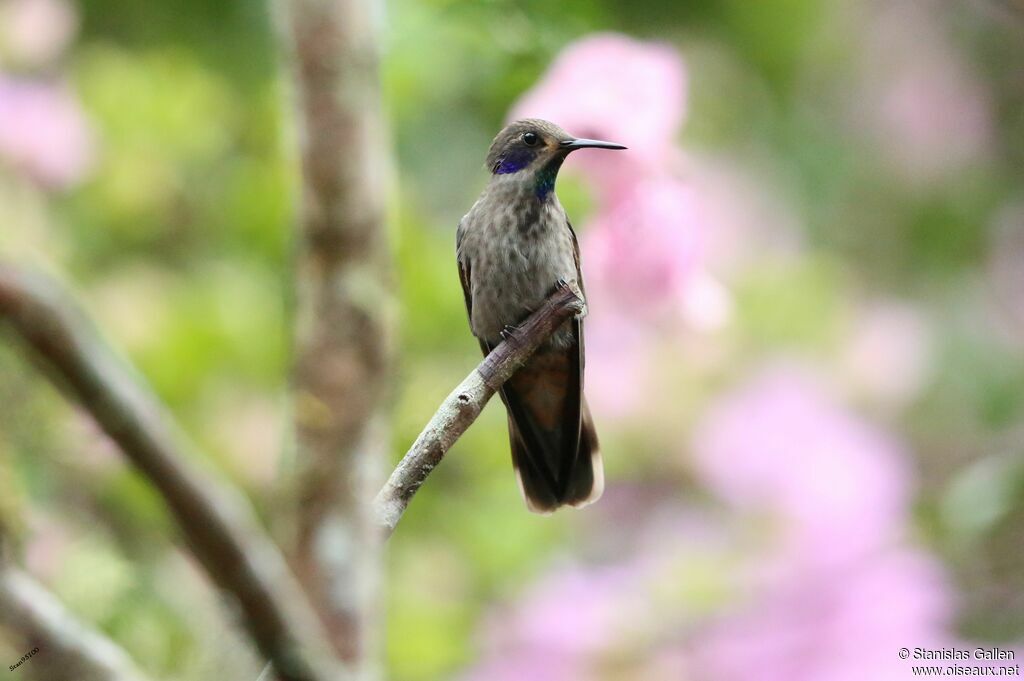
516 253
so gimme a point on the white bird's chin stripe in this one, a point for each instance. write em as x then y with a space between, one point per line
598 489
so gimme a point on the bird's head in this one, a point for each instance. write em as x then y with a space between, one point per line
534 150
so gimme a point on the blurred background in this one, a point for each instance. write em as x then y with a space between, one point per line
806 284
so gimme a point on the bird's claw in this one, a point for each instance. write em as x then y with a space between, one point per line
561 284
508 332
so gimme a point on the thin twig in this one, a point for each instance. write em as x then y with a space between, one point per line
215 519
68 650
464 404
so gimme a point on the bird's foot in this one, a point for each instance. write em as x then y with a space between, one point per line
509 332
562 285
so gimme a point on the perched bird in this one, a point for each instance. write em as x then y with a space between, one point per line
513 247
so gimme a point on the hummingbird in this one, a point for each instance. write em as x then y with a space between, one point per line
513 247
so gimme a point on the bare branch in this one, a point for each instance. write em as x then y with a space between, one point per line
343 336
67 649
464 404
216 521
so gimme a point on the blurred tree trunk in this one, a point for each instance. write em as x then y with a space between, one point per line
343 341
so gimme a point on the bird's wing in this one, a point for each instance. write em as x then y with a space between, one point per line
465 278
467 289
587 483
576 257
554 444
588 434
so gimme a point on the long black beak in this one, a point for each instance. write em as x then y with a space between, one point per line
573 145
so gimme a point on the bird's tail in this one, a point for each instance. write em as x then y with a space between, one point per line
583 482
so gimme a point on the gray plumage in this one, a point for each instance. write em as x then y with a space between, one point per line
517 255
513 247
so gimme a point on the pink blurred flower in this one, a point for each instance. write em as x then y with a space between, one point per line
792 623
836 487
43 132
638 258
930 114
616 361
839 593
838 626
574 612
612 87
557 628
745 211
620 345
640 252
35 32
592 622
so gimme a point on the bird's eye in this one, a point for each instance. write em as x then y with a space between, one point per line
530 139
